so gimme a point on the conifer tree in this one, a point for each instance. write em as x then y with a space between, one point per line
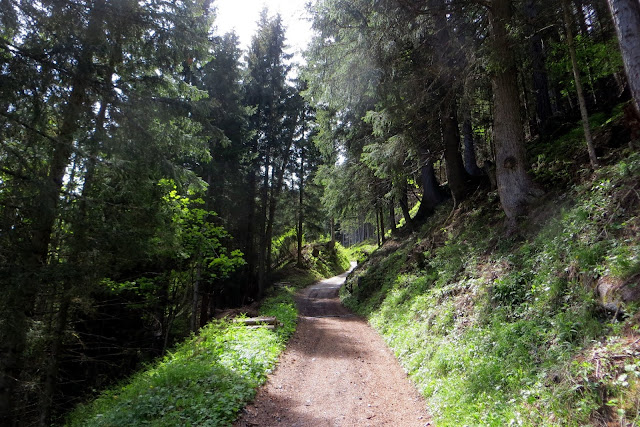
91 99
272 124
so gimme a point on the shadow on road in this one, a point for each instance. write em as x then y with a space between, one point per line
336 371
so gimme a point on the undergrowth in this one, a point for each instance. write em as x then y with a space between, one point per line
516 331
361 251
330 260
204 381
320 261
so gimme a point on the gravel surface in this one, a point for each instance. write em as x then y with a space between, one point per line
336 371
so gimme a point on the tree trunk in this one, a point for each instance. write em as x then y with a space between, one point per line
196 296
404 206
540 77
603 18
593 159
262 245
79 245
515 187
300 209
626 17
251 255
377 228
382 229
53 364
456 173
392 217
273 200
432 194
19 298
205 304
470 161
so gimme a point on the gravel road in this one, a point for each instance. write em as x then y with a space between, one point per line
336 371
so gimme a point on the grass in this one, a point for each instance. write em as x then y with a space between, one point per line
330 261
208 379
204 381
510 331
361 251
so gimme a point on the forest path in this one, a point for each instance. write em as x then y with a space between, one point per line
336 371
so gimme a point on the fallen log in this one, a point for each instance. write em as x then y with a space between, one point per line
257 321
262 327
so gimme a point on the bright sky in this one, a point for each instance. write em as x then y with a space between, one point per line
242 15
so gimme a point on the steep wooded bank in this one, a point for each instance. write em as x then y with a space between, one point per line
507 125
540 328
428 100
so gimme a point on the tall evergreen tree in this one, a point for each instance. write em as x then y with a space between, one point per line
272 123
626 16
80 78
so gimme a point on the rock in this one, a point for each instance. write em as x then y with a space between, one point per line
614 293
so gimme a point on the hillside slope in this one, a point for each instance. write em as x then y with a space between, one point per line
540 328
208 378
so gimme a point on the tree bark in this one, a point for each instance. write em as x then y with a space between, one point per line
377 228
392 217
273 200
262 245
539 72
206 290
515 187
626 17
593 159
79 245
382 229
404 206
432 194
196 296
470 160
456 174
251 255
300 209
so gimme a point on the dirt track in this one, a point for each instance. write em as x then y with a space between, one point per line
336 371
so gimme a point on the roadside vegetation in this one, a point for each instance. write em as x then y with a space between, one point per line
207 379
204 381
538 328
361 251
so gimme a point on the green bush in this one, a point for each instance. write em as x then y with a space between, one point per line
205 381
